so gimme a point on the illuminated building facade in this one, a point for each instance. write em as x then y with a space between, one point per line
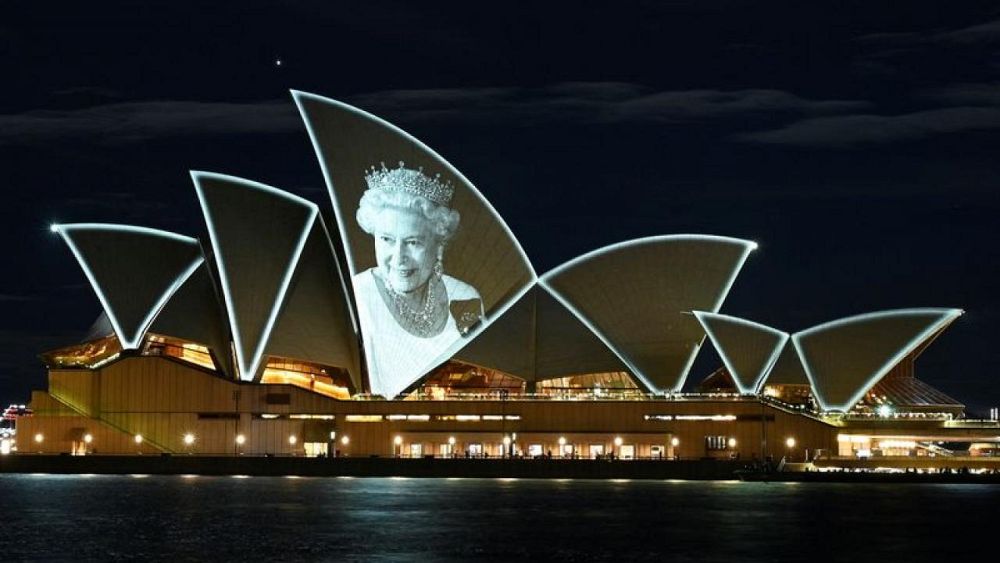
408 321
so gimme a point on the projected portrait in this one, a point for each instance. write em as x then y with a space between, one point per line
432 263
412 309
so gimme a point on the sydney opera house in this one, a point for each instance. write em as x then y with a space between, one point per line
401 317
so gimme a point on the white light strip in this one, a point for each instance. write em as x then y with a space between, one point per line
748 246
343 220
248 366
947 316
704 318
340 275
128 342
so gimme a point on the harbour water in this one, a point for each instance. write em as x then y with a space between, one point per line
107 517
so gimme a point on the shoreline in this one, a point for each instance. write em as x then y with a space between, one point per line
691 470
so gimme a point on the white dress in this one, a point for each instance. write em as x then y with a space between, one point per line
395 357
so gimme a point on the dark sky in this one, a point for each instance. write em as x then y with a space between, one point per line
856 142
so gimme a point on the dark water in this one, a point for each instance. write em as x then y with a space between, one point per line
49 517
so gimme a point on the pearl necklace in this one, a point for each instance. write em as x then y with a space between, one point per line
419 323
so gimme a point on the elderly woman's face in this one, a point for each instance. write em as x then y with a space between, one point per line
405 248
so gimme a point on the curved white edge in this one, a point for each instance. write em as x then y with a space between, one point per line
705 317
62 228
748 247
342 220
748 244
600 335
128 342
947 316
248 366
344 287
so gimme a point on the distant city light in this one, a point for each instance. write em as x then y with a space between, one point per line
885 411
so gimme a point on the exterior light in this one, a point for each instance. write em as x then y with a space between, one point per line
345 440
506 440
88 438
398 440
138 438
885 411
188 439
562 440
675 441
618 441
54 228
292 440
790 442
451 440
333 435
732 442
39 438
240 439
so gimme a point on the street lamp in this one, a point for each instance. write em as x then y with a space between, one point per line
506 446
398 441
618 445
562 446
451 446
790 443
189 441
674 442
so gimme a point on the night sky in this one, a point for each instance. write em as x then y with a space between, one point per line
857 142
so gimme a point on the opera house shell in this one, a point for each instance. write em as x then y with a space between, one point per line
402 317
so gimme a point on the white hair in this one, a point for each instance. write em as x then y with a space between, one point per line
443 220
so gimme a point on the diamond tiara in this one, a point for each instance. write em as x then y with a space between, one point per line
402 179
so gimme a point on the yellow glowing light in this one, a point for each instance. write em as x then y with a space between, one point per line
790 442
451 440
138 438
88 438
675 442
188 439
562 440
345 440
398 440
732 442
506 440
292 439
240 439
39 438
618 441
